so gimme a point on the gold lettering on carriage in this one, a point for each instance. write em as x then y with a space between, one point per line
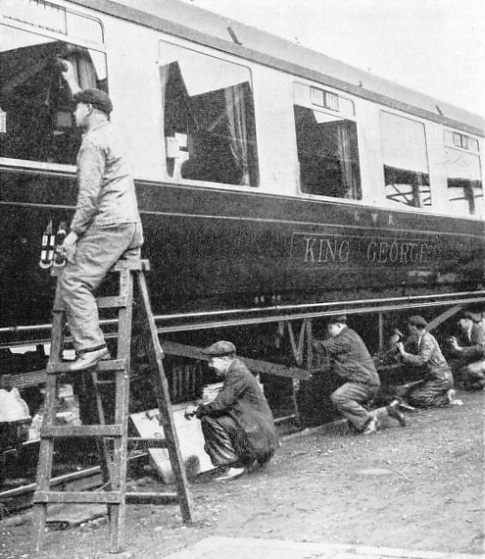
403 252
316 249
326 250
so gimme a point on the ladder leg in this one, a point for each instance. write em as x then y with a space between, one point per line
46 450
44 468
102 446
155 353
120 451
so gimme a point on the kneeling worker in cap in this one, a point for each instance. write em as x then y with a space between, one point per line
468 349
351 360
106 225
422 349
238 426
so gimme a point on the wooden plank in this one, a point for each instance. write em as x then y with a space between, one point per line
162 394
131 264
152 498
148 442
60 431
111 302
254 365
112 365
63 516
108 497
23 380
108 365
444 316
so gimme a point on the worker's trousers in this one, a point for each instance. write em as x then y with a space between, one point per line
97 251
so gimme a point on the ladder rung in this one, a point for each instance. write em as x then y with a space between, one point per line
151 498
111 302
140 265
112 365
82 431
77 497
107 365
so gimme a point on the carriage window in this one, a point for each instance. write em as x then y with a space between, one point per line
208 118
465 187
35 103
405 161
328 153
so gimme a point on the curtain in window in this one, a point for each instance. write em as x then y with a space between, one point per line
345 156
236 120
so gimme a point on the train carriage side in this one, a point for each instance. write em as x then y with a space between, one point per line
269 193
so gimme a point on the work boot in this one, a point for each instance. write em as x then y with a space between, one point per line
88 359
371 427
230 474
394 412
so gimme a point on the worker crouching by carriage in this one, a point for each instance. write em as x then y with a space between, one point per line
421 349
351 360
238 425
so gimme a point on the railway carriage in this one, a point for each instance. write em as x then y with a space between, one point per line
277 186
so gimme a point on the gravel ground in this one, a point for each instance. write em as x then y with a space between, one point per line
420 488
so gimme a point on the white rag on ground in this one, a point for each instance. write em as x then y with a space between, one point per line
12 407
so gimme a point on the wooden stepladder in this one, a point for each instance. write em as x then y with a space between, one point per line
111 438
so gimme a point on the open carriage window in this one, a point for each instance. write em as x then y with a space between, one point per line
327 143
35 102
208 118
406 170
465 187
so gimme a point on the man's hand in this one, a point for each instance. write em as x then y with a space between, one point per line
190 411
454 343
69 75
68 247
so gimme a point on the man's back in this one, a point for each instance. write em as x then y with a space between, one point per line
350 357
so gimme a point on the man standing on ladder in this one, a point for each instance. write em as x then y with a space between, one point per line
106 225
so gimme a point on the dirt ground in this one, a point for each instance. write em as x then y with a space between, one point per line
420 487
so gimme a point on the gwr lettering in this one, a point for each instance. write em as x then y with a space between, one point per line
324 250
403 252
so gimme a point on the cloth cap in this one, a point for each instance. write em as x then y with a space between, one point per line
220 349
341 318
95 97
466 314
417 321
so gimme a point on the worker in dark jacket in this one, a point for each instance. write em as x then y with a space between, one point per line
238 426
351 360
468 349
422 349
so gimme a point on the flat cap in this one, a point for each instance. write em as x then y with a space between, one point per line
466 314
340 318
95 97
417 321
220 349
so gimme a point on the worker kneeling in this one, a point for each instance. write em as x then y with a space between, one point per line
238 425
351 360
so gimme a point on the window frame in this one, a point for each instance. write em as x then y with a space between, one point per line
236 61
450 137
336 115
392 204
61 37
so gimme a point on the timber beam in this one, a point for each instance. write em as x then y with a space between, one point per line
254 365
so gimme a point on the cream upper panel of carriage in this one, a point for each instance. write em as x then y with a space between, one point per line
195 115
